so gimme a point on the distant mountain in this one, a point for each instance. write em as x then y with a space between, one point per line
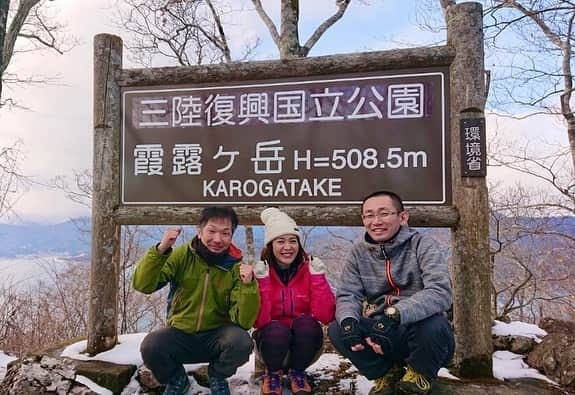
67 238
73 237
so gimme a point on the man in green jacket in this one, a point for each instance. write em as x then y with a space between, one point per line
213 299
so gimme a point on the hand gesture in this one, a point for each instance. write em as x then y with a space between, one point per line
168 239
246 273
316 266
261 269
374 346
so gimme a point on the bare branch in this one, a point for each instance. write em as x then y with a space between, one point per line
445 5
223 44
341 7
267 21
13 31
184 32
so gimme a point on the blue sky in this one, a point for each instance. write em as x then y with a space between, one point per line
57 131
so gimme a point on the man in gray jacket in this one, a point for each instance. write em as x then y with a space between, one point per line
391 302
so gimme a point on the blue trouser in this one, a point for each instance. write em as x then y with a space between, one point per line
226 348
426 346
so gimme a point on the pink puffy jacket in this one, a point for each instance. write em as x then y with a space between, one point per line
305 293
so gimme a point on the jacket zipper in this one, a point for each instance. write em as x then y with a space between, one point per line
292 299
287 294
175 300
388 275
203 302
282 296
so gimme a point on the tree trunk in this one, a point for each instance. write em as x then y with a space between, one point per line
471 271
289 36
4 6
250 246
571 135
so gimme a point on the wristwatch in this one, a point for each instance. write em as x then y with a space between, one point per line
392 312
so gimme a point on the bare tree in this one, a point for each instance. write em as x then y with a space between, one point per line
37 315
137 312
79 189
526 256
287 39
194 32
12 182
25 26
181 32
545 162
538 76
532 232
529 43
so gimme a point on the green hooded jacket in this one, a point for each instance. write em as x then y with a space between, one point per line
202 296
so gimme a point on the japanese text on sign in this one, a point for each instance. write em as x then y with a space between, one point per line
473 154
326 141
268 160
283 106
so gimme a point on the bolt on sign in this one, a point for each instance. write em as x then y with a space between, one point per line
323 140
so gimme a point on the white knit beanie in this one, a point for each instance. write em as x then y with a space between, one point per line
277 223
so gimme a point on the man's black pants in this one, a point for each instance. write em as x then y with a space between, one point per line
425 345
226 348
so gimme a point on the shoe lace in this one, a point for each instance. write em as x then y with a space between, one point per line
417 378
380 384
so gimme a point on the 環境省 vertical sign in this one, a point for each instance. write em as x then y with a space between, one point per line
322 140
472 140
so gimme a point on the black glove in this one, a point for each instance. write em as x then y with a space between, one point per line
385 332
350 333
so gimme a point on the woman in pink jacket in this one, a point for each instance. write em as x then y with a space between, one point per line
295 298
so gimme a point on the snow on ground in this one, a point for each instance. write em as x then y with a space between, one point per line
126 352
4 360
517 328
446 374
95 387
506 365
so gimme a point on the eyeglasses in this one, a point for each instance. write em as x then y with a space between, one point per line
381 215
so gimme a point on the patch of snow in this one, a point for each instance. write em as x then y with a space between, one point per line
446 374
4 361
508 365
517 328
126 352
93 386
329 362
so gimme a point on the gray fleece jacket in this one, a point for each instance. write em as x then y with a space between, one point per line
408 271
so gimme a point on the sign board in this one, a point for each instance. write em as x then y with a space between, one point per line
473 147
324 140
